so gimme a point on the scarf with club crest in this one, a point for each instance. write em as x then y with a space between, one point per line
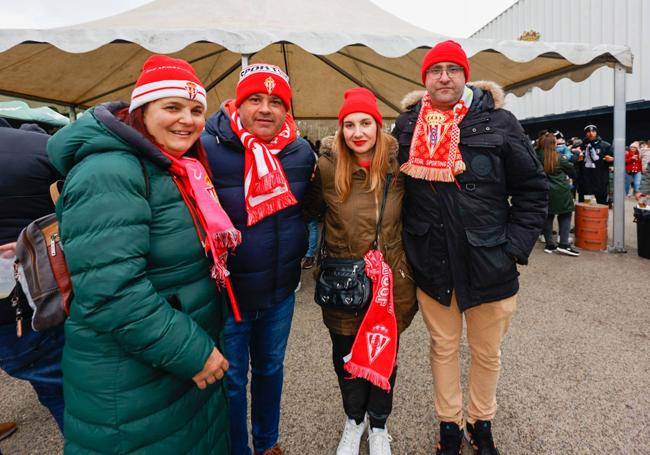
434 153
374 350
200 197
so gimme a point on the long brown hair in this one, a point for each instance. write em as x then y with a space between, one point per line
547 145
135 120
375 177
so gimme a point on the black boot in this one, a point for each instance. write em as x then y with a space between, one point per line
480 438
451 438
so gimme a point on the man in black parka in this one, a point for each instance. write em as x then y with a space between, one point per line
476 201
594 160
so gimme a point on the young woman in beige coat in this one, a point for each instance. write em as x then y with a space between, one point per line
349 186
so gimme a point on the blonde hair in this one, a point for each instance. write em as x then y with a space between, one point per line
375 177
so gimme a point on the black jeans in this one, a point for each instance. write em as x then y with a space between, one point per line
360 396
564 222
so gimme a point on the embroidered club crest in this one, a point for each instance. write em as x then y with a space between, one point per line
434 118
190 87
269 83
377 339
210 188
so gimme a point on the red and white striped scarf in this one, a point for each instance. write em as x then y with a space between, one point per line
266 188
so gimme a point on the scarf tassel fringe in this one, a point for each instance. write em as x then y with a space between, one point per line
276 204
368 374
227 240
428 173
219 272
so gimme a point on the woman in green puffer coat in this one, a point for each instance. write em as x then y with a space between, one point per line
560 200
142 364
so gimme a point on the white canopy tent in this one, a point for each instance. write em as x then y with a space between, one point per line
325 47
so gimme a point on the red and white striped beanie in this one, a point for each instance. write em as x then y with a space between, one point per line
164 77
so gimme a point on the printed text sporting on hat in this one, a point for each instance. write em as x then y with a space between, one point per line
258 68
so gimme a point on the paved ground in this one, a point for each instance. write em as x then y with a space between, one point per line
576 369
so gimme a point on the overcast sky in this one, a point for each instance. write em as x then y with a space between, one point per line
458 18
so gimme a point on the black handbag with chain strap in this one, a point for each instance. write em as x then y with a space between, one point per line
342 283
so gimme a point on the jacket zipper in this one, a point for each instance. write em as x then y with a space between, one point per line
32 254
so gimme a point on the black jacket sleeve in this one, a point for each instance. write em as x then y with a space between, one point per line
527 187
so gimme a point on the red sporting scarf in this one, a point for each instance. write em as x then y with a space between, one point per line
434 153
374 350
202 201
266 189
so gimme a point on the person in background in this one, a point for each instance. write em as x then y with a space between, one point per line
261 170
143 364
594 161
25 196
644 151
558 171
633 169
349 187
561 146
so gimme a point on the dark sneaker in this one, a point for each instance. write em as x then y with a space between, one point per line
479 436
308 262
569 251
451 438
550 249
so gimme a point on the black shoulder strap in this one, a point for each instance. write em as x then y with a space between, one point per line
381 213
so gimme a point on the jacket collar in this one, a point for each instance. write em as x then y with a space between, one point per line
218 125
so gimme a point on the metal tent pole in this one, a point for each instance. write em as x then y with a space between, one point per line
618 245
72 112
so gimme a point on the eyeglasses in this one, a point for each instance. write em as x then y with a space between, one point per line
452 71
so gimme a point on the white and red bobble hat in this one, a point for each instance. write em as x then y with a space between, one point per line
164 77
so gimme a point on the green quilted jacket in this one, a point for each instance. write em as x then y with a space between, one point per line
145 314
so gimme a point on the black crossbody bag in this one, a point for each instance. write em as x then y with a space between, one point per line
342 283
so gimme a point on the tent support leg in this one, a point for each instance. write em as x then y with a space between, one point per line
618 245
72 112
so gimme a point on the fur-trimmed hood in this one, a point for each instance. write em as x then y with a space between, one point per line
499 96
411 99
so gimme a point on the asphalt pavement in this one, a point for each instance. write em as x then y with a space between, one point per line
575 373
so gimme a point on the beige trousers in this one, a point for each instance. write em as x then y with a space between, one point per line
487 324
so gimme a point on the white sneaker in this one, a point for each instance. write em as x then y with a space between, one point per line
351 437
379 441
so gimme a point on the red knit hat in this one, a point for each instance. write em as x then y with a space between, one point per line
447 51
263 78
359 99
162 77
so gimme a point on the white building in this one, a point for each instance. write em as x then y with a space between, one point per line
569 104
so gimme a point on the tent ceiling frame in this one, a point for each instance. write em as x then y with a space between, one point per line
337 68
129 84
383 70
